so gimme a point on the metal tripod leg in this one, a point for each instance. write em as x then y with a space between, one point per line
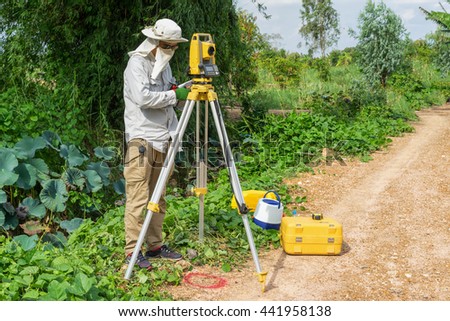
161 183
236 186
202 165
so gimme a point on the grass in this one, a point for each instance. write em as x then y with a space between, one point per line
269 95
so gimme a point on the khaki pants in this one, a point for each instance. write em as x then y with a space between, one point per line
143 165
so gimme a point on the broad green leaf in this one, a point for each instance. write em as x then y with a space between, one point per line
83 283
71 225
62 264
29 270
119 186
54 195
52 139
26 242
25 280
209 253
47 277
41 167
226 267
11 220
58 291
57 240
3 197
173 278
143 278
2 218
39 256
27 176
106 153
8 208
8 162
102 170
76 291
31 295
74 177
94 181
73 155
28 146
86 268
33 207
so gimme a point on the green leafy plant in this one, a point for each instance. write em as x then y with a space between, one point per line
381 42
33 191
285 68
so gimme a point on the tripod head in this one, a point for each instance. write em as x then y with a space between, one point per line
202 61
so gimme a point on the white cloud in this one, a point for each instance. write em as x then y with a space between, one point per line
408 14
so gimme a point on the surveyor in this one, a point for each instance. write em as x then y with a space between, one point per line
150 123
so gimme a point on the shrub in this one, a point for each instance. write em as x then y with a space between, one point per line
44 181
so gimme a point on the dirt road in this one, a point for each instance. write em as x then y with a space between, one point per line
395 211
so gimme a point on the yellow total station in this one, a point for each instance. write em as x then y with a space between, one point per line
202 60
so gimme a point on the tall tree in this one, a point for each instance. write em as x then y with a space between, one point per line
320 25
441 38
246 69
382 42
84 45
441 18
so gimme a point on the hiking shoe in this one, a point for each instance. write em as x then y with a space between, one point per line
141 261
163 252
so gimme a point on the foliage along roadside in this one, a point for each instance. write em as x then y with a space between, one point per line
86 267
47 185
89 265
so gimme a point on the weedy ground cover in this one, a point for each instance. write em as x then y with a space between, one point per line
89 265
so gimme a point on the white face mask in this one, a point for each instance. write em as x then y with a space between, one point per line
162 58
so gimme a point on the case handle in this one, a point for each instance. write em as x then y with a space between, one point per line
317 217
277 196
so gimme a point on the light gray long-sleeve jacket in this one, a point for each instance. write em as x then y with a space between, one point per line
149 112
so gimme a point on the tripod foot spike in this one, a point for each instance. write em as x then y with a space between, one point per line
262 279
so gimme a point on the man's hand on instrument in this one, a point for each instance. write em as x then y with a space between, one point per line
181 93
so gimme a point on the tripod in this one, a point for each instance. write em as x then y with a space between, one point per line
201 91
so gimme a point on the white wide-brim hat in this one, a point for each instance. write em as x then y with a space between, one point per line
166 30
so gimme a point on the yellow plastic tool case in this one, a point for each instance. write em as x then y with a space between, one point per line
311 235
252 198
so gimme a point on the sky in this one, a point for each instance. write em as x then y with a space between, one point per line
285 19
